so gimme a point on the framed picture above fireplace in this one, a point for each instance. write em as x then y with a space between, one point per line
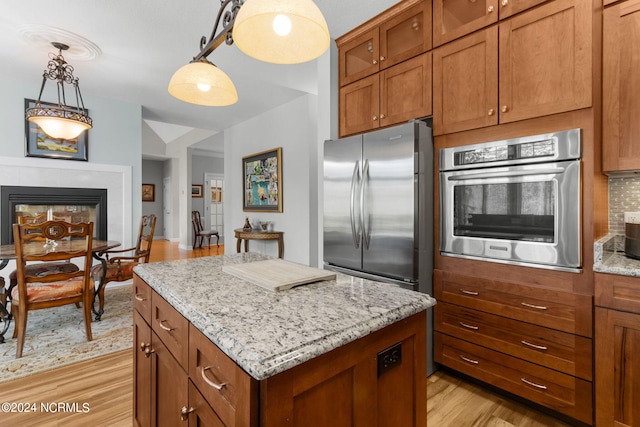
39 144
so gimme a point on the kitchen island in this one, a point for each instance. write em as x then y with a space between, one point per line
224 351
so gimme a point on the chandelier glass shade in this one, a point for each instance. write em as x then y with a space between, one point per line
281 31
60 121
275 31
203 83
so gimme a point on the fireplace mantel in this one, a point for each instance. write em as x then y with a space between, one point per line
117 179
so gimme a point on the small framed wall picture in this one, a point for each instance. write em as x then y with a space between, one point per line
148 192
196 190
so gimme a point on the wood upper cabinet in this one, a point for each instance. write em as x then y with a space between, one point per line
453 19
396 35
465 83
534 64
618 373
395 95
621 85
546 60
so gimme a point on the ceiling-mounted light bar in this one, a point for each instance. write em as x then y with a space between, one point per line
276 31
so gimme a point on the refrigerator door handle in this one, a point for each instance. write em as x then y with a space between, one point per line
366 234
352 196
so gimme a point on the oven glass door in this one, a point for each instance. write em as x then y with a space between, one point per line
521 213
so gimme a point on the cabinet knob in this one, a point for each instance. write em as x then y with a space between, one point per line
184 413
490 112
148 352
382 116
374 118
504 109
374 62
382 58
490 9
505 2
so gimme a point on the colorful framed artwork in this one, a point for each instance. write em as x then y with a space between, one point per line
39 144
148 192
262 178
196 190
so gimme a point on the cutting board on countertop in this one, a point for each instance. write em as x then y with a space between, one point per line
277 274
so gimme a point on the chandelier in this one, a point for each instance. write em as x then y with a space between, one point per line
60 121
276 31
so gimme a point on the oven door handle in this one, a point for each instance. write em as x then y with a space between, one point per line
506 174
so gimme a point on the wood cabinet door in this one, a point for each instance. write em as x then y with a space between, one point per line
141 372
453 19
465 83
620 87
618 368
405 35
359 106
405 91
546 60
169 386
359 57
511 7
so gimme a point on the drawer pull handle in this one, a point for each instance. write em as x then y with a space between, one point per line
532 384
166 328
466 359
537 347
472 293
139 297
465 325
184 413
537 307
217 386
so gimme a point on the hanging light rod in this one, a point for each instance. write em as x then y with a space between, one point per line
276 31
60 121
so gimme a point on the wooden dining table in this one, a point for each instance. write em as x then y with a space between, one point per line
8 253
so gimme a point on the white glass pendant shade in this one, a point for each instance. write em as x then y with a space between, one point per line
60 128
203 83
281 31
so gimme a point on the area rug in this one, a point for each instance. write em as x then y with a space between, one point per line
55 336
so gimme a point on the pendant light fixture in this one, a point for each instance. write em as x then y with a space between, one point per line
60 121
276 31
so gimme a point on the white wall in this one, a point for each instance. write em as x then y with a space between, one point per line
292 126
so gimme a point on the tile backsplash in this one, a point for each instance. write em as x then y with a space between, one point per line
624 196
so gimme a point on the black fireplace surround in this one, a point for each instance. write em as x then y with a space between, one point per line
10 196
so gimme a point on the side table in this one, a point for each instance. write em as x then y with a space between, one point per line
259 235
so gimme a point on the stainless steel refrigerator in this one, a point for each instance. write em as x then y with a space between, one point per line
378 206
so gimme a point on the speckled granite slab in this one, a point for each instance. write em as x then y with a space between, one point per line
609 257
265 332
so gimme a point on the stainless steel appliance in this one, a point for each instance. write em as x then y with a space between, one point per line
515 201
378 214
632 240
378 209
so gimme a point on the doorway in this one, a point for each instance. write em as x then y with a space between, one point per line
214 203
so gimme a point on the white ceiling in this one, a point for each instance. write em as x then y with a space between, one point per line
139 44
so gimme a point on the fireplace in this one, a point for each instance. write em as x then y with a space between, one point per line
68 204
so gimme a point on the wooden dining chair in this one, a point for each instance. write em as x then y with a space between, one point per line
51 241
41 267
200 233
117 264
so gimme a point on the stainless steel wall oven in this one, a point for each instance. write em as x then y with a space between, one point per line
515 201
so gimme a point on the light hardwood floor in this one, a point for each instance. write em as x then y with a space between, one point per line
105 385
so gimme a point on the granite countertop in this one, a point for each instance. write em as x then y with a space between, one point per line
609 257
267 332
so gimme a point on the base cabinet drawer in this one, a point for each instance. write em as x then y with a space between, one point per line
560 392
222 383
561 351
555 309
